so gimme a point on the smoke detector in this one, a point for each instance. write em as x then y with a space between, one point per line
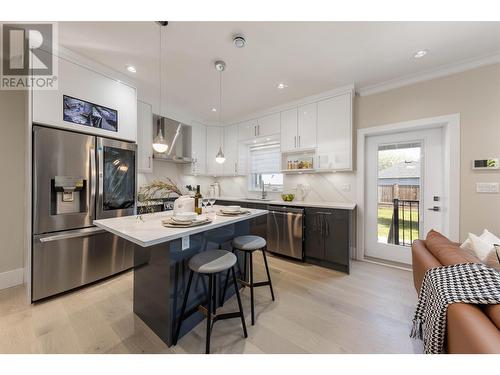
239 41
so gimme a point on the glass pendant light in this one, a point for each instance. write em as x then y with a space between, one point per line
159 143
220 66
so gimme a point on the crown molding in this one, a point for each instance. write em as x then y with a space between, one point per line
426 75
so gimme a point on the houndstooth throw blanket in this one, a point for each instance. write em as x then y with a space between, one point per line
459 283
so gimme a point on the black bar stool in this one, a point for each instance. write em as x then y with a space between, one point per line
249 244
210 263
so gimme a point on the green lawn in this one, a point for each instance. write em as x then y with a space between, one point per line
385 219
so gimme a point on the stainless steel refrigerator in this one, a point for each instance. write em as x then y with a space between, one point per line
76 179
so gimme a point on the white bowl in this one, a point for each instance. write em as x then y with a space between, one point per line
231 209
185 216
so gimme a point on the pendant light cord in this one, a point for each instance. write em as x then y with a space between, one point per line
220 97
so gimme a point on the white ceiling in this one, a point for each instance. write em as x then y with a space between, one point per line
310 57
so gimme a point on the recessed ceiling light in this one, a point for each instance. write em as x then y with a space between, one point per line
420 54
131 68
214 109
282 86
239 41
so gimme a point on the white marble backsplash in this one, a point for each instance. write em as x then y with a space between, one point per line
324 187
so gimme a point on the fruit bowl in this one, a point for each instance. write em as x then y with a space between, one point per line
288 197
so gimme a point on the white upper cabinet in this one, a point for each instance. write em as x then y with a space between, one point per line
334 133
306 126
247 130
298 128
214 141
81 83
289 130
144 137
269 125
198 151
230 148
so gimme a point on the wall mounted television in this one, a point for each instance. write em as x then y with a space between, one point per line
81 112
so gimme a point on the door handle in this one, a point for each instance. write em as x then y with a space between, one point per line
75 234
435 208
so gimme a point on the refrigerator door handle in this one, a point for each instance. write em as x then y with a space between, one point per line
72 234
93 179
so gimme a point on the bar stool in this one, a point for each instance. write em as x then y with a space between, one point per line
210 263
249 244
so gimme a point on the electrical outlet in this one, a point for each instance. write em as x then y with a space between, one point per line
487 187
346 187
185 243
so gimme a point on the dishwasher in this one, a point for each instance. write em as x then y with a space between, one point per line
285 231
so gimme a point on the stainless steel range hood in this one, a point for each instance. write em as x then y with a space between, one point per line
178 138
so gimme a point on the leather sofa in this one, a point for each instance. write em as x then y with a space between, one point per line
471 329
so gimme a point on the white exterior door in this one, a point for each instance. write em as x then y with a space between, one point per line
403 193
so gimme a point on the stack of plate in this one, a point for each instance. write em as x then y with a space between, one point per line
185 222
232 211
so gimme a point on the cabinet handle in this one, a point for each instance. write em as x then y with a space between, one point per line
235 167
295 141
258 129
149 161
299 141
255 130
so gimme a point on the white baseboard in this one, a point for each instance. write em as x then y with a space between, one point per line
11 278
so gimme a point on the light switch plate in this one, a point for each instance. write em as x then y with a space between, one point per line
486 187
185 243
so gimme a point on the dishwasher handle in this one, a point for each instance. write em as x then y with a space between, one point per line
286 209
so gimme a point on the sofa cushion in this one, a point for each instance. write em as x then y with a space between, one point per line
446 251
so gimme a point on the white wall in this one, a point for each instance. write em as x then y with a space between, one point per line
12 169
475 94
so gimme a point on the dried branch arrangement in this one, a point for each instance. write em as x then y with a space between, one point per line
150 193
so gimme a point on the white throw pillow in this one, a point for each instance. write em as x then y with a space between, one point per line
483 247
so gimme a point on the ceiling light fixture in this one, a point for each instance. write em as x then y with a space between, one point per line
420 54
239 41
131 69
282 86
159 143
220 66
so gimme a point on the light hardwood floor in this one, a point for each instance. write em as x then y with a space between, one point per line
316 311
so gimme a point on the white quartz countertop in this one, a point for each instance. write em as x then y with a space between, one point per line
150 231
337 205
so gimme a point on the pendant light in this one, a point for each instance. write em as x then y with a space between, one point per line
220 66
159 143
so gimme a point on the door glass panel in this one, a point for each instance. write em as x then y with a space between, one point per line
399 185
118 178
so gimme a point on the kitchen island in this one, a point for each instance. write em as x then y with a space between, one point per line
160 283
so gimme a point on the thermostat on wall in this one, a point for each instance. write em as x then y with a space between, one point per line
485 164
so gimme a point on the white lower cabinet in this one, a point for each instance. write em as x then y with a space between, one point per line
214 141
144 137
334 133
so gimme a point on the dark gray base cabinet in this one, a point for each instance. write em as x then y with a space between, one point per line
327 237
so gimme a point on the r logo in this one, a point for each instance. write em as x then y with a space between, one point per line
27 46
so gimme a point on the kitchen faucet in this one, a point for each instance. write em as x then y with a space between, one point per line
264 192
